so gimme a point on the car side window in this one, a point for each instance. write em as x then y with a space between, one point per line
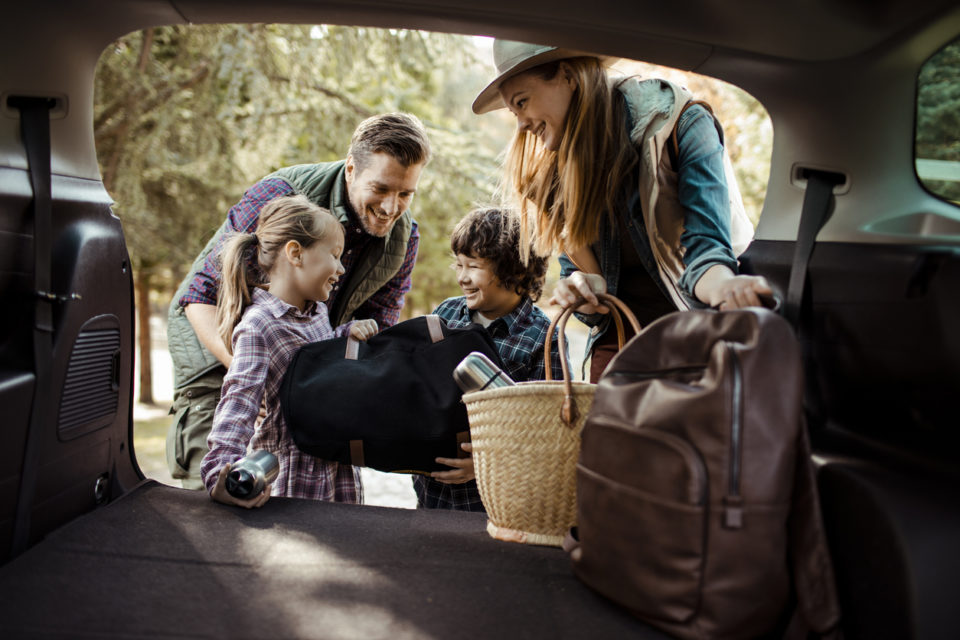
938 123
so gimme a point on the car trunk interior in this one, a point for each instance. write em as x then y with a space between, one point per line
92 549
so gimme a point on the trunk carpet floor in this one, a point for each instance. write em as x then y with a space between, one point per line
163 562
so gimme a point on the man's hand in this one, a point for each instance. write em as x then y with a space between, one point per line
363 329
219 493
462 468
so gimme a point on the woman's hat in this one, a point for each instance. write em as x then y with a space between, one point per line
512 58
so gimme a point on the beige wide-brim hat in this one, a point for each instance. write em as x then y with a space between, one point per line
512 58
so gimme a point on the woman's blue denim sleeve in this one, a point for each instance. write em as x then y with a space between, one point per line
566 268
566 265
703 194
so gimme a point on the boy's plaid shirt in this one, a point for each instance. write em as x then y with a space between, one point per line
519 337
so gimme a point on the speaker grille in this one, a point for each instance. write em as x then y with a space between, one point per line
90 392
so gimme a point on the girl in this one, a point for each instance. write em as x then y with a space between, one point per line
274 283
590 169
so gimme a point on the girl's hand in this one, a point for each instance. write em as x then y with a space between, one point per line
363 329
462 468
219 493
581 286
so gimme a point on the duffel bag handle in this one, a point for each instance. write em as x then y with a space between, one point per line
434 327
568 411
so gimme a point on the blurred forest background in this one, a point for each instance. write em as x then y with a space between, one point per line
188 117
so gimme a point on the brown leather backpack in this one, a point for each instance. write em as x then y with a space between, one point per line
697 504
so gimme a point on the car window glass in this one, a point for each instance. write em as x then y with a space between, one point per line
938 123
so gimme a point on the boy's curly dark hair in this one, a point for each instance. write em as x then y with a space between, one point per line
494 235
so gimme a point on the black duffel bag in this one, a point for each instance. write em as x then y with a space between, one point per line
389 403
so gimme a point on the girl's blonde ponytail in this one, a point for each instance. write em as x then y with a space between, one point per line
236 281
248 258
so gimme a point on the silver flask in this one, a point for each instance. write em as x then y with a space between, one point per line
249 476
477 372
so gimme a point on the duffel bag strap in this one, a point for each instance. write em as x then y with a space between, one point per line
356 453
353 349
357 457
434 327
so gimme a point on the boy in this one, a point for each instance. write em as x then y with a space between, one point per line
499 292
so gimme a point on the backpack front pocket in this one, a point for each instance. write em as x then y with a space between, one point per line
642 508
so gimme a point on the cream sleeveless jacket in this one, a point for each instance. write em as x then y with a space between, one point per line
655 106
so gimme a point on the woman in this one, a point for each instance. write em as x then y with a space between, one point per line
592 174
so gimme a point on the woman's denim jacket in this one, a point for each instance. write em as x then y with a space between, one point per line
702 193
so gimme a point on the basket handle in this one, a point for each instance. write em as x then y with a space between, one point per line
568 410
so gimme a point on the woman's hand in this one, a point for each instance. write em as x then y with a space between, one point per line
363 329
580 286
462 468
722 289
219 493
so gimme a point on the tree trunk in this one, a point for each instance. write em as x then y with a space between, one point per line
143 332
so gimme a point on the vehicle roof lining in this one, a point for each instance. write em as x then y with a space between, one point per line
59 56
816 30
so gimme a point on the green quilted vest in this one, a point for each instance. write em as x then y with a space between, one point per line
324 184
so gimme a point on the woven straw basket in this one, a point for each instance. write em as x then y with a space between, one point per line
526 440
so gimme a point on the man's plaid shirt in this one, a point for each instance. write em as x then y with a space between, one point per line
383 306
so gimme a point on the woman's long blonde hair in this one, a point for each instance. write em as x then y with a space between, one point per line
248 258
561 195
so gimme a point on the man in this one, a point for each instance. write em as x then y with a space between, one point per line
370 193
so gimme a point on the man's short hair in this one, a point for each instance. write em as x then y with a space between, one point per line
494 235
400 135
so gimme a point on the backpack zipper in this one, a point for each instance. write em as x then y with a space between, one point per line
733 501
647 375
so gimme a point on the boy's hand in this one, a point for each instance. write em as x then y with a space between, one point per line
219 493
462 468
363 329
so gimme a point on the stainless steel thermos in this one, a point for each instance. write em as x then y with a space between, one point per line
477 372
249 476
